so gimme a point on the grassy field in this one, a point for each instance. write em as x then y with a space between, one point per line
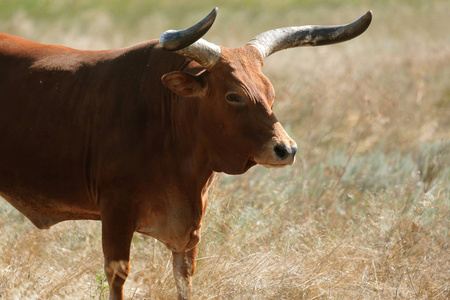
363 214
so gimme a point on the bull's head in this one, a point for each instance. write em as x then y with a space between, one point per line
236 107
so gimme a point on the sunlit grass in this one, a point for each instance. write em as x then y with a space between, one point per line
363 214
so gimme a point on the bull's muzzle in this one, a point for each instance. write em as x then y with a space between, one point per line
277 153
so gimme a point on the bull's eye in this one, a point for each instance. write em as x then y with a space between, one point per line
235 98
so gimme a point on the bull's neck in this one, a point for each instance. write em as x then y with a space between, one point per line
175 120
182 137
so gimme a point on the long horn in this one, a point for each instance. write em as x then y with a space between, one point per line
188 42
275 40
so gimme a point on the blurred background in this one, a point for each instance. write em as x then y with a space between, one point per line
362 214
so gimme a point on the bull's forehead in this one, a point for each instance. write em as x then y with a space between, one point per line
241 68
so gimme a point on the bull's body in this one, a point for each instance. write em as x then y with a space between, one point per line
133 136
79 124
96 135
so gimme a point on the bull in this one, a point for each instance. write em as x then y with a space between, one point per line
133 137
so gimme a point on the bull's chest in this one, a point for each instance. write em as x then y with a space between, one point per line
173 217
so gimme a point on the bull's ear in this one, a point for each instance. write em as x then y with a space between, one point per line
184 84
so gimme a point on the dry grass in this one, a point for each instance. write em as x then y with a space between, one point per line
364 214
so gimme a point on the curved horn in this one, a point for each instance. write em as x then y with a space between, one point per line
188 42
275 40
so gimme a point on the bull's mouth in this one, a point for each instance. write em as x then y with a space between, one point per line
274 165
251 162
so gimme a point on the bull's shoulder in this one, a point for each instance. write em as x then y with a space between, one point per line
19 51
19 47
51 57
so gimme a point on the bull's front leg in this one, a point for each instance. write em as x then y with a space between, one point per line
183 269
117 233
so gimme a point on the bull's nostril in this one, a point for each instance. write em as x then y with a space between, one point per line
294 149
281 151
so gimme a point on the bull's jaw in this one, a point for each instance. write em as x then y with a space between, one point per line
236 168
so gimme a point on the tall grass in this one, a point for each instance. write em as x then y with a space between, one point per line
363 214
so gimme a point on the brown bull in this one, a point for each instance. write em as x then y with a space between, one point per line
134 136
